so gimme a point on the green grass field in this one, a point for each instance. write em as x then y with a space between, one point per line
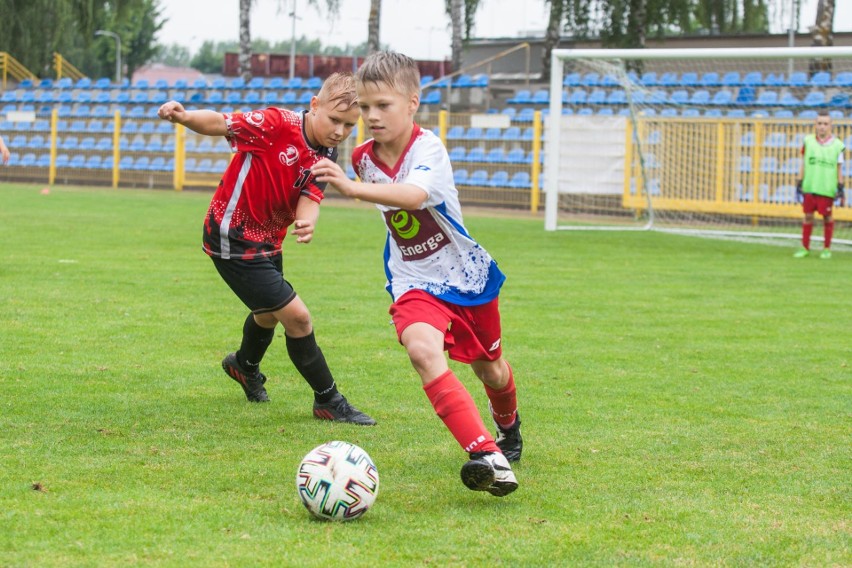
685 401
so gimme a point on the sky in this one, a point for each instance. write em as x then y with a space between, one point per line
418 28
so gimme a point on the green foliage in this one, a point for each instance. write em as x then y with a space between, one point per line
685 401
35 29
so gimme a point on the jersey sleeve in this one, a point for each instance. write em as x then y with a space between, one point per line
253 131
430 170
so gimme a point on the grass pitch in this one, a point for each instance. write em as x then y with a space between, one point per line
685 401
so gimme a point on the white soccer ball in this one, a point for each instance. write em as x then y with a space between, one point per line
337 481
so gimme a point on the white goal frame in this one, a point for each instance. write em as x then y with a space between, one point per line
553 135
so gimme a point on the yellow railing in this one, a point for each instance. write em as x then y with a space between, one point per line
9 66
64 68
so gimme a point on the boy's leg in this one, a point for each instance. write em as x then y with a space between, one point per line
309 360
503 404
256 340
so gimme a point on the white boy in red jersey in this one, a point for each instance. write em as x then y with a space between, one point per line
268 187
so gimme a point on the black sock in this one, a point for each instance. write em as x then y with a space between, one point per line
309 361
256 339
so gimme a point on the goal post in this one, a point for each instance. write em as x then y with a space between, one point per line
690 140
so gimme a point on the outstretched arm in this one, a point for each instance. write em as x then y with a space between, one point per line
207 122
402 195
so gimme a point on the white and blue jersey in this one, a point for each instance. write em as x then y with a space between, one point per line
429 248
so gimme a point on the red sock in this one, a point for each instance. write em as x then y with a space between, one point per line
456 408
829 231
504 402
807 229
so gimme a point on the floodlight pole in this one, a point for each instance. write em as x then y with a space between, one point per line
117 39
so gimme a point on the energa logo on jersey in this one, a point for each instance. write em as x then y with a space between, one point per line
416 233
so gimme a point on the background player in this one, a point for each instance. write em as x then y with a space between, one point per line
820 182
266 188
444 285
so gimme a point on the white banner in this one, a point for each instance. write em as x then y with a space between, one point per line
592 154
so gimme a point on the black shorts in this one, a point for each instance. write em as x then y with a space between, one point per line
259 283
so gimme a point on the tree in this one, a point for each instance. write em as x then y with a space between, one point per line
822 34
373 26
461 13
245 40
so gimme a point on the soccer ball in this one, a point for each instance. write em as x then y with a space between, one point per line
337 481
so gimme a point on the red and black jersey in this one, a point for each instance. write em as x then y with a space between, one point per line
257 196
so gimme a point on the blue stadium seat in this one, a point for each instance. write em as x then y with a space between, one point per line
500 178
276 83
766 98
294 83
83 83
200 84
157 164
433 97
769 164
520 180
722 98
814 98
775 140
460 176
523 96
455 132
526 114
597 97
493 133
77 161
700 97
657 97
840 100
463 81
789 99
528 133
752 79
541 97
571 80
736 113
809 114
478 177
215 98
744 164
87 143
709 79
313 83
496 155
783 113
289 98
233 98
474 133
457 154
62 160
37 142
606 111
577 97
731 79
515 156
843 79
820 79
590 79
836 114
649 79
64 83
688 79
791 166
798 79
104 144
141 163
775 80
585 111
690 113
616 97
609 81
669 79
476 154
680 96
512 133
93 162
18 141
252 98
154 145
747 139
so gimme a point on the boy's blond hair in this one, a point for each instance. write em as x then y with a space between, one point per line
396 70
339 90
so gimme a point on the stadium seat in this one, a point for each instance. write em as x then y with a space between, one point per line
474 133
616 97
596 97
18 141
478 177
42 161
775 140
809 114
843 79
493 133
460 176
515 156
791 166
590 79
37 142
783 113
93 162
814 98
679 96
500 178
709 79
476 154
511 133
455 132
789 99
691 113
606 111
744 164
731 79
496 155
722 98
62 160
785 194
520 180
736 113
157 164
769 164
104 144
463 81
700 97
688 79
523 96
585 111
457 154
649 79
798 79
526 114
141 163
747 139
775 80
541 97
608 81
154 145
87 143
571 80
753 79
836 114
820 79
77 161
766 98
305 98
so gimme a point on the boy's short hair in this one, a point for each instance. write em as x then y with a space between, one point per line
823 112
396 70
339 90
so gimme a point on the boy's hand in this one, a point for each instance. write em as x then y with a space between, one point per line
172 111
304 231
326 171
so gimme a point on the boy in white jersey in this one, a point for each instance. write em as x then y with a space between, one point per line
820 182
444 285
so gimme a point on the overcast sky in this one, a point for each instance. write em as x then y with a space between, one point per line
418 28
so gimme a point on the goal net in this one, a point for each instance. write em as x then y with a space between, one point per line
704 141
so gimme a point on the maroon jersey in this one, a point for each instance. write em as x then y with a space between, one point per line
257 196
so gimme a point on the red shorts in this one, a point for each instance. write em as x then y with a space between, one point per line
471 333
818 203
